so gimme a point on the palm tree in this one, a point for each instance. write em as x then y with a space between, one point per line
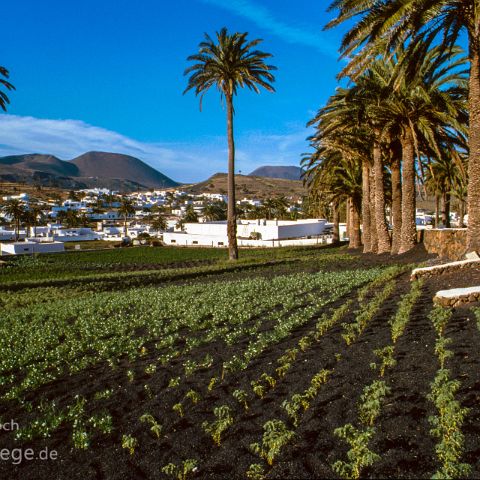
16 211
4 100
215 211
341 131
229 63
425 106
126 209
190 215
384 26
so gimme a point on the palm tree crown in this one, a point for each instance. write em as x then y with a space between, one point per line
228 64
4 100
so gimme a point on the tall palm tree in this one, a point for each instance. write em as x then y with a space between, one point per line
383 26
4 100
16 210
126 209
425 106
229 63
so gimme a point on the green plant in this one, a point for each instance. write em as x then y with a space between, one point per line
174 382
193 396
212 383
130 375
178 408
255 472
271 382
283 369
386 358
440 317
155 427
305 342
80 436
102 422
150 369
258 388
223 420
241 397
180 472
130 443
148 391
405 306
276 435
372 398
441 351
103 394
293 407
359 455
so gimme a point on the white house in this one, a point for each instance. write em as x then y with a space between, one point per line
25 248
254 233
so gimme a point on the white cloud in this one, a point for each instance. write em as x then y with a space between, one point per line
187 162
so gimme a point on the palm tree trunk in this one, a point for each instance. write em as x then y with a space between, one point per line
446 209
461 213
366 221
354 225
231 214
336 222
125 226
473 231
373 225
396 205
348 224
437 210
409 228
383 237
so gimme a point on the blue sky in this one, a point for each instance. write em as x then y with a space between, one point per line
108 75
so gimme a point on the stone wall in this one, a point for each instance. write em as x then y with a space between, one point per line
457 297
450 243
444 268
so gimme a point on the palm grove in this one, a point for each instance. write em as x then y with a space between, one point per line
410 114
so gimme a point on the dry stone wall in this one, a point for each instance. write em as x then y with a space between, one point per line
449 243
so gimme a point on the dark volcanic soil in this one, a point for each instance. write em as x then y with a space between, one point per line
402 437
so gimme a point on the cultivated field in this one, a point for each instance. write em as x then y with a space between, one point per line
293 363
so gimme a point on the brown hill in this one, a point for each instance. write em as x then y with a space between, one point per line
94 169
118 166
278 171
31 163
250 187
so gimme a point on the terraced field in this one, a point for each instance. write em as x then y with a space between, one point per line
293 363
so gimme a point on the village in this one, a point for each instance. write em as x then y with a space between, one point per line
163 217
167 217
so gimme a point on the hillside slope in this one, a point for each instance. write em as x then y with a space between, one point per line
118 166
287 172
93 169
249 186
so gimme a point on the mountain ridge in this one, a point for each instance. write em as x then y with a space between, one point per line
91 169
288 172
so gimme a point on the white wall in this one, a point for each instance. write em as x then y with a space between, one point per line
23 248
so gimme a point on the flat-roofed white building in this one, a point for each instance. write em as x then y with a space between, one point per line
253 233
25 248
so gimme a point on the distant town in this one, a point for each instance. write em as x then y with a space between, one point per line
160 217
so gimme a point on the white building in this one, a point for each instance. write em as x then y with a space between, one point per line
9 235
252 233
25 248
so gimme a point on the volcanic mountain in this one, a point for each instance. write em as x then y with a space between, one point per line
124 167
286 172
92 169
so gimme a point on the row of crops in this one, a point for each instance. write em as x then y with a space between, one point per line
173 381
